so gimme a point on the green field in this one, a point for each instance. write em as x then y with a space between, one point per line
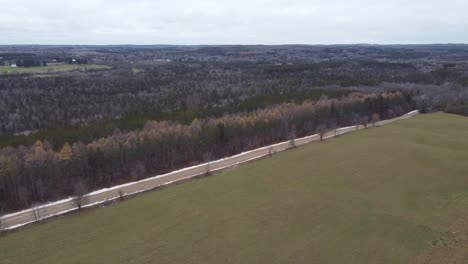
394 194
50 69
136 70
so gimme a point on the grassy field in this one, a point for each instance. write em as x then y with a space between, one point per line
137 70
50 69
395 194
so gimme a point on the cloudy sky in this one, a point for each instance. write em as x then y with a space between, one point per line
233 21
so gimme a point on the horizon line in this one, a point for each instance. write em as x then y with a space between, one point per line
258 44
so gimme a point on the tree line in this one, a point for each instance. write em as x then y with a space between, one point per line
40 173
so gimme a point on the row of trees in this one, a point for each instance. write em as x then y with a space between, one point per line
38 173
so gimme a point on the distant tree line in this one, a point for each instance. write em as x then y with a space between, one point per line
30 63
39 172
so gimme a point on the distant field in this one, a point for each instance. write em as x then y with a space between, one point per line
137 70
395 194
50 69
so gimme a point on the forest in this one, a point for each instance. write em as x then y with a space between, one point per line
153 109
39 173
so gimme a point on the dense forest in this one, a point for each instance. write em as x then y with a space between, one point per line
166 80
152 109
78 98
39 173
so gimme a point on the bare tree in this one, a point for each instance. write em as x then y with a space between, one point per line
41 189
375 119
207 157
39 211
332 126
138 171
35 212
322 130
365 121
23 196
356 120
80 189
121 195
271 151
292 137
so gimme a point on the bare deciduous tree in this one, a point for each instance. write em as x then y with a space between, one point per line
292 137
23 196
80 189
375 118
356 120
40 187
138 171
121 195
271 151
207 157
332 126
365 121
322 130
39 211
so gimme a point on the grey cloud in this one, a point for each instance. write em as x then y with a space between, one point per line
232 22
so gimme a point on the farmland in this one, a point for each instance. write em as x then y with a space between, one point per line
50 69
394 194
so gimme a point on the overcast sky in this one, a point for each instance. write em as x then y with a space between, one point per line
233 21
